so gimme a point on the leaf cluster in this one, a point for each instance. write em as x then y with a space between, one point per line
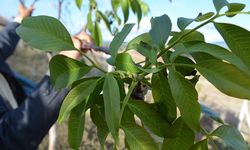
174 60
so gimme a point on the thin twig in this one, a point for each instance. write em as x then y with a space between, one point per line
22 2
33 4
60 2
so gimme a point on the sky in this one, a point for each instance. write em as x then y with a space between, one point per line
75 18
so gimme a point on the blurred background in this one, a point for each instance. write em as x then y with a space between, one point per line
33 64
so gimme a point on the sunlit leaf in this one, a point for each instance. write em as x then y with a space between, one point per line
204 16
237 39
125 9
98 34
226 77
78 3
40 34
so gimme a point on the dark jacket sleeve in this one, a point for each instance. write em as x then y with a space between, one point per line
8 40
25 127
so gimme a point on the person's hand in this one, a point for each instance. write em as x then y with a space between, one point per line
73 54
24 12
82 41
86 41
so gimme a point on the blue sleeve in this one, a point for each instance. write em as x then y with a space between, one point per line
8 40
25 127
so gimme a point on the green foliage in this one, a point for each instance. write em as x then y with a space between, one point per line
231 137
138 138
64 71
52 36
78 3
179 136
119 39
150 117
160 30
111 97
76 125
185 97
185 55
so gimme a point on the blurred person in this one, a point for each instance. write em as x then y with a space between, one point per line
25 120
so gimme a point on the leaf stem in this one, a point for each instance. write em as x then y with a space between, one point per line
234 13
91 61
209 138
186 34
125 101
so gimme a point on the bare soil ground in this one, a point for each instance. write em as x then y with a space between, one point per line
33 64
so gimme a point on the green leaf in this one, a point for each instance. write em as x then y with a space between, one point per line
145 37
128 116
185 71
219 4
162 96
149 116
204 17
135 5
137 138
98 119
111 97
185 97
231 137
115 4
78 94
95 97
78 3
125 62
144 7
184 22
237 39
160 30
90 24
64 71
235 7
76 126
211 49
179 137
201 145
147 51
105 19
194 36
98 34
45 33
118 39
226 77
125 9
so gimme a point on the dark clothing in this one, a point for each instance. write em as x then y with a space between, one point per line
23 128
